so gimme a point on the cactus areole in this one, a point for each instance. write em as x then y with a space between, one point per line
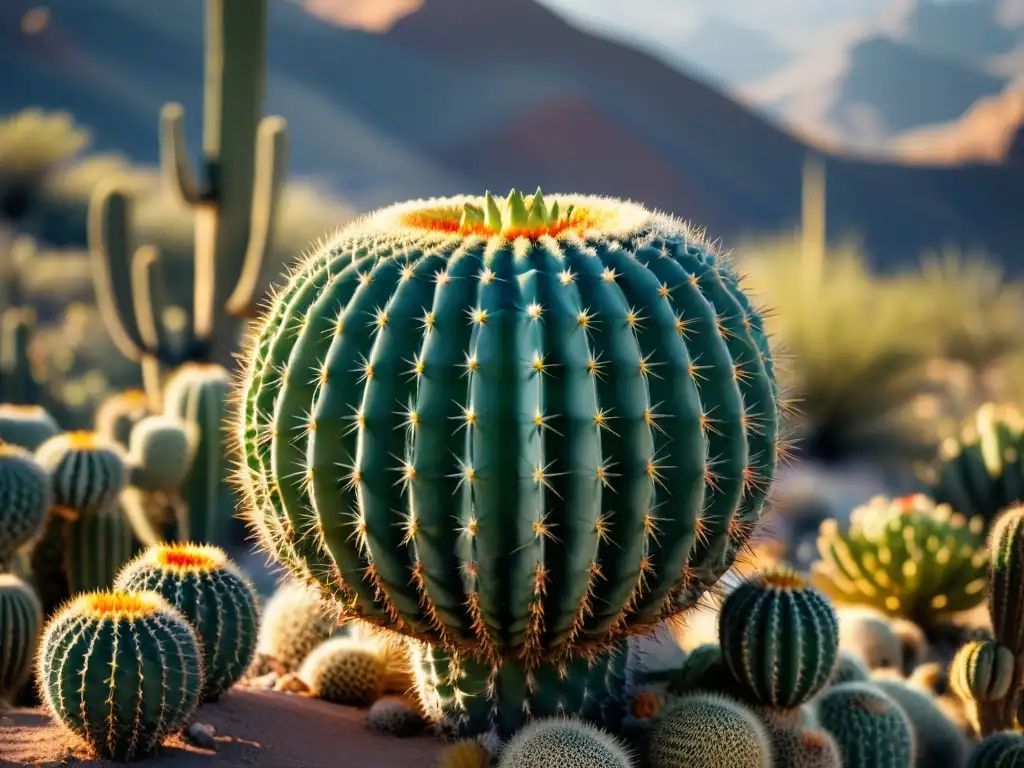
519 428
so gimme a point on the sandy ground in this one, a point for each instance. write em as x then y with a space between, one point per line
254 729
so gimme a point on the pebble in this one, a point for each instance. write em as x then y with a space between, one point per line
201 735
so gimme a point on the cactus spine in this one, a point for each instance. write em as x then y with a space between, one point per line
711 731
564 742
120 670
295 621
25 499
344 671
28 426
21 619
213 595
235 202
779 638
558 393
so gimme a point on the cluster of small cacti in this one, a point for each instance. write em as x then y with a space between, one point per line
294 621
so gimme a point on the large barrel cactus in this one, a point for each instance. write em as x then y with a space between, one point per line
519 429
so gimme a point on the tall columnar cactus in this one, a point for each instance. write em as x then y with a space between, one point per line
588 421
21 619
25 499
981 472
564 742
88 471
869 727
119 413
468 698
1000 750
120 670
28 426
779 638
17 380
235 202
905 557
708 730
213 594
1006 605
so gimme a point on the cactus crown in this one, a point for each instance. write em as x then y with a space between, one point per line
115 605
782 578
84 440
187 556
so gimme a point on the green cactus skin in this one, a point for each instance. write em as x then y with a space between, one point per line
120 670
88 471
159 453
565 381
28 426
982 671
119 413
17 380
709 731
1000 750
905 557
1006 607
981 472
805 748
25 499
704 669
344 671
871 729
21 619
850 668
98 545
937 739
779 638
564 742
467 698
295 621
198 394
214 596
394 717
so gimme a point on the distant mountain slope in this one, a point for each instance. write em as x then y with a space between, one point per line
525 98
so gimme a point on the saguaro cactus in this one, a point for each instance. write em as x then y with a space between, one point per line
234 198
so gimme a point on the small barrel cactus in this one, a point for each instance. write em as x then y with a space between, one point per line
981 471
566 743
27 426
97 546
587 393
708 730
1000 750
21 619
25 499
871 729
344 671
468 753
779 638
905 557
467 697
805 748
159 453
213 595
937 739
122 670
982 671
119 413
295 620
88 470
394 717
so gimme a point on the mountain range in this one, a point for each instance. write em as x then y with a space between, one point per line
464 95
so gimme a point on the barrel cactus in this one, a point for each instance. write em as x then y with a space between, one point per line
97 545
88 471
21 619
588 422
468 753
28 426
980 472
871 730
937 739
295 621
905 557
214 596
805 748
159 453
708 730
564 742
25 498
467 697
1000 750
120 670
981 671
344 671
779 638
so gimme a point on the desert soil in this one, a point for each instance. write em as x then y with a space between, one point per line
254 729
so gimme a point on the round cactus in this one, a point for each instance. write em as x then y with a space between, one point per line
394 717
468 697
980 472
850 668
779 638
566 743
805 748
88 470
21 619
1006 608
708 730
213 595
120 412
937 739
122 670
588 394
96 548
159 453
27 426
25 498
982 671
870 728
1000 750
344 671
905 557
295 620
468 753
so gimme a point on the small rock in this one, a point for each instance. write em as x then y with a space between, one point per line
201 735
291 684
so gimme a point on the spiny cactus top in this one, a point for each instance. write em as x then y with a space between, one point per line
518 429
906 557
25 498
88 470
26 425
